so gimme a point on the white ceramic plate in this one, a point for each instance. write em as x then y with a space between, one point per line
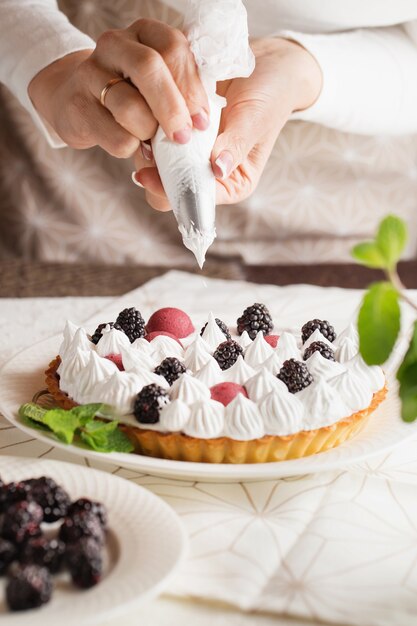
23 376
145 544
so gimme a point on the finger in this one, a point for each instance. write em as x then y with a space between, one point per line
174 48
123 101
148 178
109 135
149 73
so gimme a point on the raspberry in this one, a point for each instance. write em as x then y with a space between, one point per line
96 508
323 326
295 375
98 333
222 327
132 323
148 404
84 562
22 521
117 360
253 319
227 353
29 586
43 552
171 369
81 524
272 340
319 346
53 499
8 552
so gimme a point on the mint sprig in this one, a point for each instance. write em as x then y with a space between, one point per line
78 424
379 317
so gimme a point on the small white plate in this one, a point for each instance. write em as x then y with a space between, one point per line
23 376
145 544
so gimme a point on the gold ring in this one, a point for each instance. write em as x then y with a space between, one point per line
108 86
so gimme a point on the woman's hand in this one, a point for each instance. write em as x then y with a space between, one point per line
162 87
286 78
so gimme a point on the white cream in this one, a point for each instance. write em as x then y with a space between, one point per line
353 390
273 364
350 333
206 420
323 368
210 374
239 373
69 333
112 341
146 377
70 367
133 359
189 389
263 383
317 336
163 347
96 370
243 420
244 340
143 345
322 404
346 350
258 352
174 416
372 374
197 354
282 412
287 347
118 391
212 334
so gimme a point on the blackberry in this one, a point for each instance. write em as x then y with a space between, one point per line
319 346
43 552
98 333
171 369
13 492
253 319
222 327
53 499
29 586
8 553
132 323
295 375
22 521
148 403
85 562
96 508
323 326
81 524
227 353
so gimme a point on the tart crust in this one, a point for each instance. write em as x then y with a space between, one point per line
270 448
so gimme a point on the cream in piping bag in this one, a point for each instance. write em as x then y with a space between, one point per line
218 35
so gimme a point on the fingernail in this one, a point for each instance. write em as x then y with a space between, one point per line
182 136
146 151
201 120
135 180
223 164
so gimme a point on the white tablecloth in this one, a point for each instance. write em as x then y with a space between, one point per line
339 547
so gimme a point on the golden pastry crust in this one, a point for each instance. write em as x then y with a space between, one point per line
267 449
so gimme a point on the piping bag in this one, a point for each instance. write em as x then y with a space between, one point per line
217 31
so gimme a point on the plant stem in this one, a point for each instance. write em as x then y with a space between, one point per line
401 288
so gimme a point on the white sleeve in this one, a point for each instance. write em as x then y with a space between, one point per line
33 34
369 79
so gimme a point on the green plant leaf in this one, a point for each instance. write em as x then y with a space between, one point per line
410 358
62 423
391 239
86 412
104 437
368 254
32 411
408 403
407 376
378 323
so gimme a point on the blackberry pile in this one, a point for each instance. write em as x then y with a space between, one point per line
129 321
221 325
254 319
29 558
149 402
227 353
323 326
319 346
171 369
295 375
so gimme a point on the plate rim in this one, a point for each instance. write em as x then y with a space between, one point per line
136 600
206 472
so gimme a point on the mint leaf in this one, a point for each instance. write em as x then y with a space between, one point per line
62 423
378 323
391 239
410 358
407 376
369 255
106 437
86 412
408 403
32 411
